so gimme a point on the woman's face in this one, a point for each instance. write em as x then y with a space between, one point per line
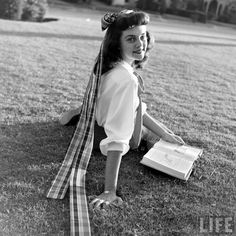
134 44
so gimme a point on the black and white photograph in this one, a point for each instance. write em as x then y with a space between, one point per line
118 117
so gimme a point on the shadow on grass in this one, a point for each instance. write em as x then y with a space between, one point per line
35 151
50 35
31 155
98 38
45 20
41 147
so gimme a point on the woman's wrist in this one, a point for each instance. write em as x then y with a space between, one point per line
109 191
113 192
109 188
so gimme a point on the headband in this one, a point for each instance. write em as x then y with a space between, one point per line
110 18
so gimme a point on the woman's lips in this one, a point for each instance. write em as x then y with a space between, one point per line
138 51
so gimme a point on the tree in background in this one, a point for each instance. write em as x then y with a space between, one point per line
163 6
29 10
11 9
195 5
153 5
34 10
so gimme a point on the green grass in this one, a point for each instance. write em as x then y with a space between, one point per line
190 86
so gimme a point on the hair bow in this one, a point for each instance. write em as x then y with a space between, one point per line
108 19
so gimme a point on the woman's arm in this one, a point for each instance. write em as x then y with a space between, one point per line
116 107
160 129
112 170
111 178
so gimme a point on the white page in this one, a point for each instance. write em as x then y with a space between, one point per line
189 151
171 161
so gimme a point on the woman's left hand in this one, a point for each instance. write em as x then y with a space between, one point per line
106 198
172 138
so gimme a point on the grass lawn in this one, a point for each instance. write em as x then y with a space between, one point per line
190 86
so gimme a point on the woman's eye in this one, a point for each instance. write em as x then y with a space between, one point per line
131 39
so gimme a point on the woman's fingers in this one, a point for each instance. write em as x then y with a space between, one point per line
172 138
98 203
179 139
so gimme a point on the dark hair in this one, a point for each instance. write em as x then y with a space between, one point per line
111 46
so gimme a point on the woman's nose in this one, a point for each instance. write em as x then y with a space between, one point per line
139 43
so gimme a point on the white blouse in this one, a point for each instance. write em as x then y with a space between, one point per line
116 107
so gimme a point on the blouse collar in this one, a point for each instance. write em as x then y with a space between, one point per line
127 66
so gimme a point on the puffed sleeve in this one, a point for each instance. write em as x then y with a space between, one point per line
121 101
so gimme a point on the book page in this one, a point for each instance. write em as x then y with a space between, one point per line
191 152
167 162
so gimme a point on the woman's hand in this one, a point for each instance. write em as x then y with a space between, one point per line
106 198
172 138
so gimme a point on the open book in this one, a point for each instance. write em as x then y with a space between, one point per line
172 159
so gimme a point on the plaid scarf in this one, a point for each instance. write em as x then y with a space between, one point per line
71 173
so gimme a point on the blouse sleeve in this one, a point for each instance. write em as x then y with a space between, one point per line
121 93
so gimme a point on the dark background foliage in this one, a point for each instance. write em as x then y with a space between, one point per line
29 10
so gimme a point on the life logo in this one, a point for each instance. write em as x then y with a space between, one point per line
223 225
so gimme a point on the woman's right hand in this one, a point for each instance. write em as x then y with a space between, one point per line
172 138
107 198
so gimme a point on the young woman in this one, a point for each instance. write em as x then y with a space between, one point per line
119 109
